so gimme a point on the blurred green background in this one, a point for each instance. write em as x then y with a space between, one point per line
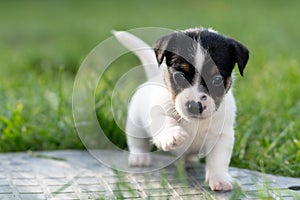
42 44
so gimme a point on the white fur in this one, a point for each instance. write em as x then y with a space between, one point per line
192 93
200 57
151 115
141 49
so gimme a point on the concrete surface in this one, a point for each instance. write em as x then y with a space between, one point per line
77 175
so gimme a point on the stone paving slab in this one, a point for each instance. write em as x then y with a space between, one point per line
77 175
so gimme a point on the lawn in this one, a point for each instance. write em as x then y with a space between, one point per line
43 43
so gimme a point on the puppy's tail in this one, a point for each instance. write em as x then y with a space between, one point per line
141 49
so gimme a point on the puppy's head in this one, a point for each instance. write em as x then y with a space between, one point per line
200 63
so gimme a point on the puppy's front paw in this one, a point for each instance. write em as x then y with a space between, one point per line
170 138
139 160
219 182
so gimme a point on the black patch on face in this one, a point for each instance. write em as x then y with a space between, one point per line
176 48
212 81
179 48
181 75
224 51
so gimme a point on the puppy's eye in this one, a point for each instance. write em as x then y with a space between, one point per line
180 79
217 80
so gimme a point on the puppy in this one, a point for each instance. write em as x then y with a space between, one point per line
187 105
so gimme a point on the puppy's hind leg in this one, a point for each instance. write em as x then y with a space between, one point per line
139 146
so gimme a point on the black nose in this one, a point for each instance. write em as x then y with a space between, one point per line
194 108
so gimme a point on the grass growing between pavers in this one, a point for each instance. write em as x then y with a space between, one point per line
43 43
155 185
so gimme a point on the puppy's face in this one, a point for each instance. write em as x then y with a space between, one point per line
200 64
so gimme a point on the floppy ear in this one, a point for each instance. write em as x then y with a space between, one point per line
241 55
160 49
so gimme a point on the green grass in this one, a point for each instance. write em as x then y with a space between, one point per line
42 44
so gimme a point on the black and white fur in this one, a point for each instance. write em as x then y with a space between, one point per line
187 105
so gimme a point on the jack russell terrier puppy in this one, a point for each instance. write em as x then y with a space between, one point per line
187 105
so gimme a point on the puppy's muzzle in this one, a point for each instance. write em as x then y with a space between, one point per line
195 108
